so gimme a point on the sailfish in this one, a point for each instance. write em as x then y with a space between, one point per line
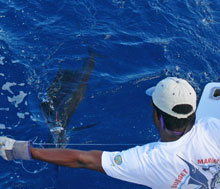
64 96
196 176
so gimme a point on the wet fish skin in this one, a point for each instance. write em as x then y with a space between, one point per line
64 96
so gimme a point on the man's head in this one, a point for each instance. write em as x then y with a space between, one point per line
174 104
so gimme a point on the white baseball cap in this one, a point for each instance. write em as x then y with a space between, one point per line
170 92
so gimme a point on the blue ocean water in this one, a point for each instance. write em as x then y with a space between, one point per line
138 43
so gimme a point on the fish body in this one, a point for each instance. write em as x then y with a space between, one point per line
64 96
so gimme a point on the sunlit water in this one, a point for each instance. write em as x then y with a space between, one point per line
137 44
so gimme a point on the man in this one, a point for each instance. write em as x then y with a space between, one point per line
187 156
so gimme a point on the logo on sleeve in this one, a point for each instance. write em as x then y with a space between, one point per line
118 159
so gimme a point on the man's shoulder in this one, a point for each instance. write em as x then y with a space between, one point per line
208 125
208 121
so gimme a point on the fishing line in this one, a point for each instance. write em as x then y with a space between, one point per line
31 172
76 144
20 162
28 171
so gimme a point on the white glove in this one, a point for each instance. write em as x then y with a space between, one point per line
11 149
6 144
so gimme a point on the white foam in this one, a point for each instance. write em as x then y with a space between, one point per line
21 84
2 126
17 99
22 115
107 36
56 130
15 61
33 118
1 74
7 86
1 60
4 109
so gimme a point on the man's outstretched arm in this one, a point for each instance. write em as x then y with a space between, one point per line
70 158
11 149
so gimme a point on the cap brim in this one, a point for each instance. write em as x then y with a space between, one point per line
150 91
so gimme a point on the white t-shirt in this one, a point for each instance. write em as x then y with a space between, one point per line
193 161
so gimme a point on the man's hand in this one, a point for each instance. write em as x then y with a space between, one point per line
6 146
11 149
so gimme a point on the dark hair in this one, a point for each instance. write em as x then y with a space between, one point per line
171 122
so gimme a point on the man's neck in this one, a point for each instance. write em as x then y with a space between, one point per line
169 136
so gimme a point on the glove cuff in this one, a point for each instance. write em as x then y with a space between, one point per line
21 150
